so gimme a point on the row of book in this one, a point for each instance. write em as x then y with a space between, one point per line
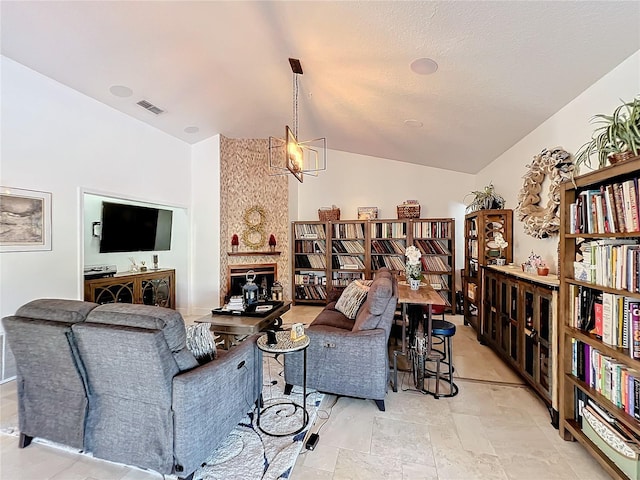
348 230
311 261
610 263
311 292
388 230
611 209
342 279
309 231
445 296
347 246
388 246
310 279
346 262
434 264
612 379
432 229
433 247
613 318
438 282
389 261
310 246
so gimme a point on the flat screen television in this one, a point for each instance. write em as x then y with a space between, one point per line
133 228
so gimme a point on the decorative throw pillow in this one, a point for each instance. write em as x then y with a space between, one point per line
352 298
201 342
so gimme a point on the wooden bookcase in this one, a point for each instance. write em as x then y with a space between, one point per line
354 249
309 262
573 386
520 313
479 230
153 287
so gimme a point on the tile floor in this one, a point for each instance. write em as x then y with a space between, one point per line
497 430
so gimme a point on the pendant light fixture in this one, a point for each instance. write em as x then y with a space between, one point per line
289 155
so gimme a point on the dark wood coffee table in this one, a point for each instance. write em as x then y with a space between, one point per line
230 327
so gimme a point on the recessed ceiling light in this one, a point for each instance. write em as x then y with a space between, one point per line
120 91
424 66
413 123
192 129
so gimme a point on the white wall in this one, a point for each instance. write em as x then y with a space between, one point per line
205 225
569 128
353 181
57 140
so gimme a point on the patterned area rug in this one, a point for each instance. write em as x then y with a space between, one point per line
250 454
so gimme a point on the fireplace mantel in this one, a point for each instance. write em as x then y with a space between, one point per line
251 254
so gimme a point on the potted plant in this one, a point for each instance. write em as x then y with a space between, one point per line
234 243
272 243
501 243
535 264
616 139
485 199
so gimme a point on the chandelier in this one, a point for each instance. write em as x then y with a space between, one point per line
289 155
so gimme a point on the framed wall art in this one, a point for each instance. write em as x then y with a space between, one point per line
25 220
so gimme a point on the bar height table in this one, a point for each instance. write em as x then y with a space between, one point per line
427 296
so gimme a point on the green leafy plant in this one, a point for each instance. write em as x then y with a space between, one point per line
485 199
618 133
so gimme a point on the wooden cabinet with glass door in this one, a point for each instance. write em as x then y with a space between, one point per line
480 229
156 287
520 315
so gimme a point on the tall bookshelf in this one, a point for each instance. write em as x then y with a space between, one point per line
348 252
355 249
435 238
589 270
480 228
309 262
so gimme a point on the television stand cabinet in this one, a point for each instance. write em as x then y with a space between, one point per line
153 287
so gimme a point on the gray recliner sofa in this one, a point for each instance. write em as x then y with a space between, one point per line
350 357
52 397
150 403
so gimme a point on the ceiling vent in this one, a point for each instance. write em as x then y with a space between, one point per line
150 107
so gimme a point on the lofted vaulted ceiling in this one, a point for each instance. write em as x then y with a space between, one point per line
222 66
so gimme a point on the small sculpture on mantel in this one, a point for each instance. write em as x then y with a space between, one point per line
272 243
234 242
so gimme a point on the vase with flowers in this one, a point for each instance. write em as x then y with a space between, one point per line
272 243
501 243
413 267
535 264
234 243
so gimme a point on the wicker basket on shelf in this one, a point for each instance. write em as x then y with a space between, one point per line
409 211
329 214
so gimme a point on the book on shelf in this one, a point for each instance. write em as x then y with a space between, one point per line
613 208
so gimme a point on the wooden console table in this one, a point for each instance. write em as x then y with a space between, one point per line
153 287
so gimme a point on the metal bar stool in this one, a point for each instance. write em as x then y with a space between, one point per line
443 332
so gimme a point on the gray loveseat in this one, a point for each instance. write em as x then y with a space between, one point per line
350 357
149 402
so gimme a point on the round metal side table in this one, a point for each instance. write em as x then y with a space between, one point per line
284 346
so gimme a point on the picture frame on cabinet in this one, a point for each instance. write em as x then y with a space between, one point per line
367 213
25 220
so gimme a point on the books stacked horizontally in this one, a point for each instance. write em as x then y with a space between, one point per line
236 304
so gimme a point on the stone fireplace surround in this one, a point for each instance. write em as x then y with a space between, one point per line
244 183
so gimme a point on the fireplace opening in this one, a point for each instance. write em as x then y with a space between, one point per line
266 274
